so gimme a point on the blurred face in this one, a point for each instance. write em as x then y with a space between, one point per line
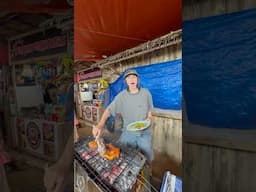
132 81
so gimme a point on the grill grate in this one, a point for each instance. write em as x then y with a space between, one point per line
118 175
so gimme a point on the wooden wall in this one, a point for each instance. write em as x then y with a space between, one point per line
167 143
192 9
212 169
167 135
216 160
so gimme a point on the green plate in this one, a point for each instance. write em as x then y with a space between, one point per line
138 126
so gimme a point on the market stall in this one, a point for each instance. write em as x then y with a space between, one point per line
91 89
160 66
42 77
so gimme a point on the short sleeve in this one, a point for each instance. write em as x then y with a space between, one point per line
150 101
114 106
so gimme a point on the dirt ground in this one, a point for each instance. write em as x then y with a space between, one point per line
25 178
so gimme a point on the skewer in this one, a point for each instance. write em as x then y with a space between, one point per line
146 182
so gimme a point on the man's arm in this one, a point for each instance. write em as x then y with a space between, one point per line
111 109
98 129
149 117
150 105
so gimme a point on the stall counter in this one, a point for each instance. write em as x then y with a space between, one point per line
42 138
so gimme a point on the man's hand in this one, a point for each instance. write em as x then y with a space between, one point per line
149 117
76 136
97 131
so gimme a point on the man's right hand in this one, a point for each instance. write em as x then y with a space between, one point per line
97 131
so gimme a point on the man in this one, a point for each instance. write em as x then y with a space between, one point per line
134 104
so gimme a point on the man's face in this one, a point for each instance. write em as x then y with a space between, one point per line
132 81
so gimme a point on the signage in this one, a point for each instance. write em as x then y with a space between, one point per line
89 74
44 43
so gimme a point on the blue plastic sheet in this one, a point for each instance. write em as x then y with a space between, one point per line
163 80
219 70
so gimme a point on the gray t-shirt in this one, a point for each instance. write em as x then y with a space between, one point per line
132 107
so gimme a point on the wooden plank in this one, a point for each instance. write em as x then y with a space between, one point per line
238 5
204 8
208 168
167 137
198 168
172 114
246 171
249 4
224 169
227 138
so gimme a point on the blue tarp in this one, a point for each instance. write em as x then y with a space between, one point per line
219 70
163 80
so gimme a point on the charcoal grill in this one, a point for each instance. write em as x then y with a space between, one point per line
118 175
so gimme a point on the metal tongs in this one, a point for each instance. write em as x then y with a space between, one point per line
101 146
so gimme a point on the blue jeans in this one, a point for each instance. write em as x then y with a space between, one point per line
141 140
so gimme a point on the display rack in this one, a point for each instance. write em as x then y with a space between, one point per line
89 87
37 59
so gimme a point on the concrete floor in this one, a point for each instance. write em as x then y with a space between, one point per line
25 178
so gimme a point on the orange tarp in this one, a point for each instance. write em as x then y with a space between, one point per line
106 27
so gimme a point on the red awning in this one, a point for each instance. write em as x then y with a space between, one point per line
103 28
